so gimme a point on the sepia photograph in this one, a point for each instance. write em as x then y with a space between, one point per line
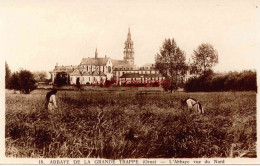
129 82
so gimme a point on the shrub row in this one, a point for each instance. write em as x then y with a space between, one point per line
232 81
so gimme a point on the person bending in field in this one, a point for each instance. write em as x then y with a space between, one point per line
50 100
192 104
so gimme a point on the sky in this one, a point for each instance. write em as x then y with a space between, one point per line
35 35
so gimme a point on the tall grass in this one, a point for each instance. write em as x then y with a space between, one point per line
130 125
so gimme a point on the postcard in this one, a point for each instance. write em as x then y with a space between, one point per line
129 82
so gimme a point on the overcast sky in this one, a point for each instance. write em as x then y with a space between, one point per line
36 35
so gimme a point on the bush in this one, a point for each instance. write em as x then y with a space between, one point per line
23 81
61 79
27 82
232 81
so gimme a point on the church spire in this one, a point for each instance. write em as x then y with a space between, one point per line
129 49
96 53
129 34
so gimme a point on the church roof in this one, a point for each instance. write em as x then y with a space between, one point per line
94 61
123 64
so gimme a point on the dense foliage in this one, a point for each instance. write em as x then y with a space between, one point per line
23 81
204 58
40 76
7 76
14 81
130 125
61 79
26 81
232 81
171 64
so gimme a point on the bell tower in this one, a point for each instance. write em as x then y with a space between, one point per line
129 49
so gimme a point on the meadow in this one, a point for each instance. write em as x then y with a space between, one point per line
127 124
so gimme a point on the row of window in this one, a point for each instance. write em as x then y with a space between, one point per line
120 73
135 79
131 68
86 78
92 68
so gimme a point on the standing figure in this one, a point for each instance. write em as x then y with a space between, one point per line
50 100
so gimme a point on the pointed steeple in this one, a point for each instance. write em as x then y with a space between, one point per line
129 34
129 49
96 53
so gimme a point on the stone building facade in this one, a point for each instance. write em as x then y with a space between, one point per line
97 70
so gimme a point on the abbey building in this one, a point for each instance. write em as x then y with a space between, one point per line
97 70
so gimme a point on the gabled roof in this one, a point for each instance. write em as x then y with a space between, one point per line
86 74
67 69
148 66
102 73
123 64
117 63
94 61
76 72
95 73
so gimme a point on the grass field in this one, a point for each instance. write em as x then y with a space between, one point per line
130 125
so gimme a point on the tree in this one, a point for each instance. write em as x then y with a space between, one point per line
40 76
26 81
7 76
171 63
14 82
60 79
204 58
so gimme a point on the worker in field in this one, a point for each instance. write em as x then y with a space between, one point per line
50 100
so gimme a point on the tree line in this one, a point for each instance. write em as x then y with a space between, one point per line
171 63
23 80
232 81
